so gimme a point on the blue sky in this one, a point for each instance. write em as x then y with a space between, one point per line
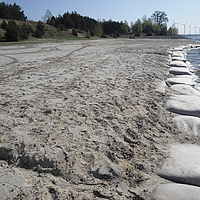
181 11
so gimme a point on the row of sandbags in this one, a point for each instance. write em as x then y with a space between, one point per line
182 167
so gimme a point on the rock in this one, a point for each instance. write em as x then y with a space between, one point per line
182 165
184 104
176 191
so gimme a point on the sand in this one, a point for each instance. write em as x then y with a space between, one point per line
85 119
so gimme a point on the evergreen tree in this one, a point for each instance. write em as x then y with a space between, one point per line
40 27
73 20
148 27
99 28
74 32
11 12
3 25
92 32
170 31
67 20
137 27
88 35
25 30
40 30
12 31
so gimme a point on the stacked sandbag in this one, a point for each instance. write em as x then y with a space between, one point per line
182 165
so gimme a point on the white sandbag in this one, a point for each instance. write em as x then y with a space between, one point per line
185 89
179 71
177 58
178 54
184 104
175 191
183 164
178 48
180 80
178 63
188 125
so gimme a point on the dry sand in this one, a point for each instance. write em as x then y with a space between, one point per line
106 129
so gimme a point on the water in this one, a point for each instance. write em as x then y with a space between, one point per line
194 56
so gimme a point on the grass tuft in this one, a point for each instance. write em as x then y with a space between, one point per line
47 112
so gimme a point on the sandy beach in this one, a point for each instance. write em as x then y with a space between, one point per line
85 119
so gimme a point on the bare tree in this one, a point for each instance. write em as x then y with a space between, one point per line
47 16
159 17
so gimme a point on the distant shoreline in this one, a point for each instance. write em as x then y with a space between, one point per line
163 37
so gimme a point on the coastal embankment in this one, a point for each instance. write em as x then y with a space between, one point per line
86 119
182 166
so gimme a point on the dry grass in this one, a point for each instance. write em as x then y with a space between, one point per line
50 30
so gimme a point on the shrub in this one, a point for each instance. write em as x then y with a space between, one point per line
61 27
103 36
170 31
40 27
3 25
132 36
79 30
115 36
88 34
117 33
12 32
38 33
74 32
25 30
40 30
92 33
47 112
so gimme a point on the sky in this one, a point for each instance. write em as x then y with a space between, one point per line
178 11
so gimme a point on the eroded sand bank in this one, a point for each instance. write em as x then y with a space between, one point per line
85 119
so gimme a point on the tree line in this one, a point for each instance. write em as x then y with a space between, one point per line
13 32
155 25
9 11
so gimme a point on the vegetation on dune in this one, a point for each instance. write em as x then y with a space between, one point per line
80 25
14 33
